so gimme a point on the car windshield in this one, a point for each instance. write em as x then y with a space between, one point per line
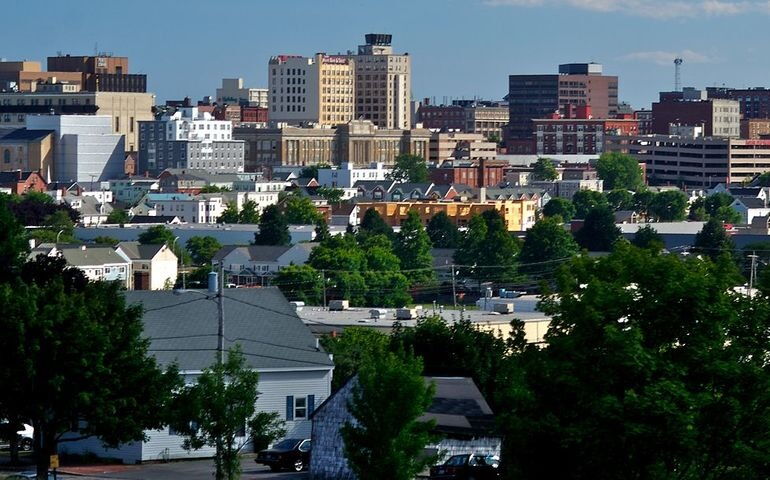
287 444
456 461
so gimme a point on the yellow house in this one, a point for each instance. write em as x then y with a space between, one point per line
518 215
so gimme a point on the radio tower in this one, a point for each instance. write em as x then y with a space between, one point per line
678 74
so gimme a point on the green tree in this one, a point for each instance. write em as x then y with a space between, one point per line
162 235
13 244
118 216
561 207
586 200
643 200
230 214
331 195
202 249
213 189
715 206
409 168
669 206
301 283
312 171
214 410
544 170
713 241
356 346
620 200
698 210
442 231
273 228
300 211
387 441
651 371
105 240
374 224
619 171
82 357
499 262
546 241
321 230
469 251
249 213
599 232
649 238
412 246
764 180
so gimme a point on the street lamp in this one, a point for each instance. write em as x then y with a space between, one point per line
181 262
59 234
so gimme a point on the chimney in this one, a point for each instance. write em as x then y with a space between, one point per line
213 282
483 195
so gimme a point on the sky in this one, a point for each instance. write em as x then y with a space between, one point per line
459 48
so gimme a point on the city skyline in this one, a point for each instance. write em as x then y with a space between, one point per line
458 47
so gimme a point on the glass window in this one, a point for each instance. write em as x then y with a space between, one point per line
300 407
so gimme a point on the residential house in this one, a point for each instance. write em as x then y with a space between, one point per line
409 191
154 267
92 211
130 190
96 262
344 214
19 183
750 207
347 175
464 421
294 371
248 265
376 190
203 208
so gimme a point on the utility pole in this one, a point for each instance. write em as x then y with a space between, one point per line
323 280
454 288
221 312
752 273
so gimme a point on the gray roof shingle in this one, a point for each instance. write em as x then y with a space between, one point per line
182 328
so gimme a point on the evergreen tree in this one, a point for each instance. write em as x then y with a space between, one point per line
273 229
468 253
412 246
499 252
442 231
599 232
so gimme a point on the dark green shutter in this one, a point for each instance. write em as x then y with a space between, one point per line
290 408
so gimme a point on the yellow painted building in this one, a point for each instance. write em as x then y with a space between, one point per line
27 150
518 215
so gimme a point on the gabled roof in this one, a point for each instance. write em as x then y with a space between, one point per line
137 251
82 256
182 328
423 188
262 253
369 185
744 191
751 202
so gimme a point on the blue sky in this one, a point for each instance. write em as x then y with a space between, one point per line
459 48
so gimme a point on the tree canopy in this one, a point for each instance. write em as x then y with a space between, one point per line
599 232
713 240
481 262
412 246
387 441
586 200
546 241
230 214
619 171
669 206
249 213
299 210
118 216
442 231
544 170
202 249
374 224
560 207
649 238
273 228
409 168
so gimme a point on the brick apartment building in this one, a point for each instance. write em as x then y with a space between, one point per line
484 173
719 118
578 132
754 102
538 96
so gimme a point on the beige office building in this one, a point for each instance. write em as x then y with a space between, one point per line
358 142
460 146
125 109
383 83
311 91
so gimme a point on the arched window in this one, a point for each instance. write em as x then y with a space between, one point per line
7 156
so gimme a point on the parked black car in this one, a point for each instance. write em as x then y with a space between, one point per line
467 467
289 454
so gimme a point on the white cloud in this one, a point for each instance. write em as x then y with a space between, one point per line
662 57
656 9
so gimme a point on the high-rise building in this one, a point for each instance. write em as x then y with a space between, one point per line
189 138
719 118
383 83
754 102
318 90
539 96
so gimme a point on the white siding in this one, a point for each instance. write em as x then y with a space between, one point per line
127 453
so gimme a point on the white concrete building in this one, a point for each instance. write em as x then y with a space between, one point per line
204 208
233 92
85 147
347 175
262 199
189 138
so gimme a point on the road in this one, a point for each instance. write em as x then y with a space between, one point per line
183 470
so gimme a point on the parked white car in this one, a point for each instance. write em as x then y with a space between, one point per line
25 438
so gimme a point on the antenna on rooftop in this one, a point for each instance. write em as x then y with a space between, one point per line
678 74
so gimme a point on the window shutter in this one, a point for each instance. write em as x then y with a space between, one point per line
290 408
310 405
